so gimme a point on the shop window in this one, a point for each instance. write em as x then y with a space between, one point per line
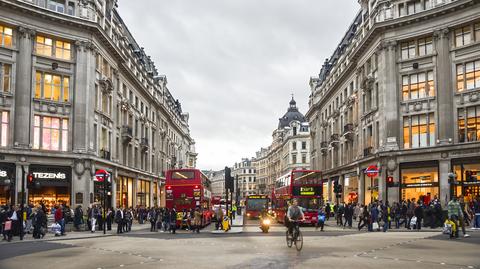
468 178
416 86
469 124
52 87
53 48
6 36
419 131
4 128
463 36
419 183
6 77
468 76
50 133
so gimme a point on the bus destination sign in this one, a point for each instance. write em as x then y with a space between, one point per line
306 191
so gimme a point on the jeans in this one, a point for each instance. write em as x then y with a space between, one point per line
62 226
386 226
94 222
477 220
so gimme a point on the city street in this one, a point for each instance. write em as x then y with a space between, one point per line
334 248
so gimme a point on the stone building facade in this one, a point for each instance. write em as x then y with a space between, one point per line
247 181
289 150
401 93
79 94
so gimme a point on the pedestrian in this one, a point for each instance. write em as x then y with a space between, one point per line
29 220
476 212
173 220
109 218
16 225
100 219
234 211
410 209
78 217
218 225
39 223
340 211
93 217
327 211
166 220
152 217
364 219
386 216
320 219
3 219
60 219
197 220
455 213
418 213
119 220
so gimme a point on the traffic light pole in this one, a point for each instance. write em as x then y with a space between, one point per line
104 201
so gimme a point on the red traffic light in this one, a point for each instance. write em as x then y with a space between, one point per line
30 178
390 180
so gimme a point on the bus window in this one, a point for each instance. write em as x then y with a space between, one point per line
183 175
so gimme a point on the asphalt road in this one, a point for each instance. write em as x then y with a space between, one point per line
336 248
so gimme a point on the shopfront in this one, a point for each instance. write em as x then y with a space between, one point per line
350 188
155 193
370 189
419 181
52 185
468 177
143 193
7 183
325 190
124 191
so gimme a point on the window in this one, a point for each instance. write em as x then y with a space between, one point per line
5 36
52 87
468 76
417 86
408 50
58 6
419 131
50 133
6 77
463 36
294 145
62 50
304 158
477 32
425 46
48 47
304 145
294 158
4 128
71 9
469 124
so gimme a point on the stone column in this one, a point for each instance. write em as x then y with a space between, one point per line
329 190
82 96
23 89
382 176
341 181
361 187
388 97
444 169
151 193
444 89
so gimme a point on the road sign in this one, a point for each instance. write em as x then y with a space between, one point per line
99 174
371 171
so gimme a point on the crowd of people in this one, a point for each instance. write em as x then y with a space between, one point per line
409 214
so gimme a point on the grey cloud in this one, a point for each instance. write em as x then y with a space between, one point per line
233 64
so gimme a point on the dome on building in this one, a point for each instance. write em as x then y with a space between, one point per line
292 115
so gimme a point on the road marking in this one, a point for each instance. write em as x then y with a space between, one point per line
442 263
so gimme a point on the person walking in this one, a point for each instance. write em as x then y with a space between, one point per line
455 213
327 211
410 213
60 219
197 220
93 217
320 219
39 223
78 217
109 218
418 213
166 220
476 212
173 220
152 217
119 220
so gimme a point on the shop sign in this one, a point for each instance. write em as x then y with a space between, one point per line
469 183
421 185
42 175
371 171
3 173
99 174
257 197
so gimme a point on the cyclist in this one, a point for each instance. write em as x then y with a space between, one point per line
294 214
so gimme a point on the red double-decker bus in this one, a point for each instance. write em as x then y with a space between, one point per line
254 204
305 186
187 189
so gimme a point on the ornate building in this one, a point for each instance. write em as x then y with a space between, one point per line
78 94
401 93
289 149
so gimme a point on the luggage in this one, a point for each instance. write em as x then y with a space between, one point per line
8 225
447 228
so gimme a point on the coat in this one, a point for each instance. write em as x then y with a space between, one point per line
58 215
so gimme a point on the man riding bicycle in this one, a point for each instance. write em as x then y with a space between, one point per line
294 214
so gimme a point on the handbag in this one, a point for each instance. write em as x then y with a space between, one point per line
447 228
8 225
321 218
413 221
375 226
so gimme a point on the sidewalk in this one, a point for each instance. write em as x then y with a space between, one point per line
75 234
237 226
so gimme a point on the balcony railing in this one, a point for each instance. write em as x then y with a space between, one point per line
367 151
127 133
144 144
105 154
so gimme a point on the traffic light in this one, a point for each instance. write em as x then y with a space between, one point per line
228 179
335 186
389 181
30 180
339 188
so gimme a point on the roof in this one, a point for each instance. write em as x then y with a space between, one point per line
292 115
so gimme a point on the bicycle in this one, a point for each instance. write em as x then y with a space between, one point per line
296 238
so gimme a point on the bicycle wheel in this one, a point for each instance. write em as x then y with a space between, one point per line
299 241
289 239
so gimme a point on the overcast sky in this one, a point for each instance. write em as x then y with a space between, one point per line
234 64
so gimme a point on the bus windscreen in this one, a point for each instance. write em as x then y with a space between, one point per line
256 204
